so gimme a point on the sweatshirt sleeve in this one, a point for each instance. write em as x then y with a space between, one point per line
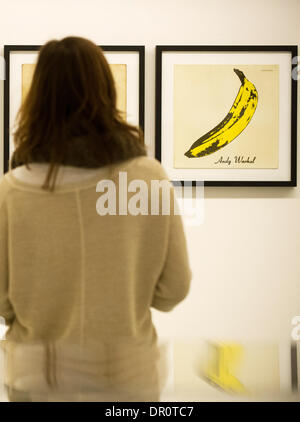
6 310
174 282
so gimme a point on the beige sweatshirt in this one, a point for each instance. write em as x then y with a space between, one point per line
76 287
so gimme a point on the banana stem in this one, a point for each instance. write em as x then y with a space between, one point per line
240 74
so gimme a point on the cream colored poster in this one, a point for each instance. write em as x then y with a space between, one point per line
119 72
207 370
226 116
27 75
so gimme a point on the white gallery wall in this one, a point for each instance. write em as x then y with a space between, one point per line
245 257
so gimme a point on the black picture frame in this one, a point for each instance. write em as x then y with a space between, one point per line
291 49
8 49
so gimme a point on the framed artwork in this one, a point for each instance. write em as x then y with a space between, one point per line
227 115
127 65
208 369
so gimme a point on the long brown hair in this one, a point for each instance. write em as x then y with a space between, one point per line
69 116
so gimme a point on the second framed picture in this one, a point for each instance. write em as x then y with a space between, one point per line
128 68
227 115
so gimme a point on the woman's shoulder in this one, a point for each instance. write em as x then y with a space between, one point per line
146 167
5 187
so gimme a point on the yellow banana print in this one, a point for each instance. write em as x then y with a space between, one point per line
220 371
232 125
